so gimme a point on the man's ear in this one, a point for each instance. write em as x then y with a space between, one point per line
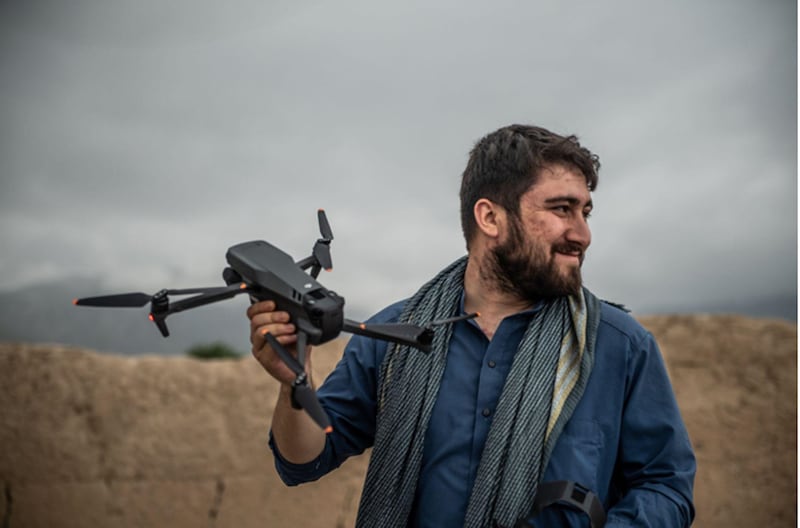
489 217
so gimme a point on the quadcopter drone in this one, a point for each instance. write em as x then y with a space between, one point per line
267 273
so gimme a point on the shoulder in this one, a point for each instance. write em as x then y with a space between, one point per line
618 324
626 352
390 314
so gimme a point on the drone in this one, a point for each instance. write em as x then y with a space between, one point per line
266 272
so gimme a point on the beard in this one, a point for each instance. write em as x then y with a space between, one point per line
527 269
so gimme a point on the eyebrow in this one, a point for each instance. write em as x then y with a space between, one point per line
571 200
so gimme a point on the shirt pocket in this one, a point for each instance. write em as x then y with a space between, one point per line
576 455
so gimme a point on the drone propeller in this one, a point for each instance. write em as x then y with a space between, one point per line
303 396
322 248
122 300
135 300
158 319
321 253
324 226
454 319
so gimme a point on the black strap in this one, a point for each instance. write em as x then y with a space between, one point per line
570 494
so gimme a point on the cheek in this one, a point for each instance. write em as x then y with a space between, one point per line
544 232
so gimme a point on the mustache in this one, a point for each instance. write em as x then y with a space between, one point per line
569 247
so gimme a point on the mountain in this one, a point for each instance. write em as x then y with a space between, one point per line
45 313
782 306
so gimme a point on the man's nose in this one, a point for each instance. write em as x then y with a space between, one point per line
579 232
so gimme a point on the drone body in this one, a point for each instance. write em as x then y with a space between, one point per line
272 274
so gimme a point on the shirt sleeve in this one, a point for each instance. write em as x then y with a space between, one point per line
348 396
655 470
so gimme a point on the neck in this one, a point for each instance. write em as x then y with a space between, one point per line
484 296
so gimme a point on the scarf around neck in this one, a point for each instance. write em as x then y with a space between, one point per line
547 379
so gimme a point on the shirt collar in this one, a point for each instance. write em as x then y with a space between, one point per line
524 313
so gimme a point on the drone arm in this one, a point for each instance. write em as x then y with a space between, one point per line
303 395
302 339
209 295
306 262
404 334
284 354
310 262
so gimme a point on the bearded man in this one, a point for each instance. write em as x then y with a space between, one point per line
550 409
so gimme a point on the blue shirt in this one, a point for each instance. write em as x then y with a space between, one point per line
626 440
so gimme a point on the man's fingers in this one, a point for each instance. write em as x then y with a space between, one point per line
261 345
278 331
260 307
265 319
261 320
284 333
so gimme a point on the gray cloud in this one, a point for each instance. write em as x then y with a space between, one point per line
140 139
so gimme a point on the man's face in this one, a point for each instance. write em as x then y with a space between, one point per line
540 254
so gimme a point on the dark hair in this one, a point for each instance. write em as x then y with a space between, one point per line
506 163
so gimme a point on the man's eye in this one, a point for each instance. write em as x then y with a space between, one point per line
563 209
587 214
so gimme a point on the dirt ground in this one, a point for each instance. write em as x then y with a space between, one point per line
736 384
90 439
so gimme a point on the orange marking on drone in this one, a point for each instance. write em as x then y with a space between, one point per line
329 429
477 314
75 301
243 286
362 326
264 332
150 316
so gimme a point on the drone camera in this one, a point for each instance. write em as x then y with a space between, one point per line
325 312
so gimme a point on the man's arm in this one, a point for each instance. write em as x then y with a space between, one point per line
347 396
656 466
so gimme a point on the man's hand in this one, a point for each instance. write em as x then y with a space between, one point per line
265 319
297 437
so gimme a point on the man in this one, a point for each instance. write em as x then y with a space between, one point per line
547 384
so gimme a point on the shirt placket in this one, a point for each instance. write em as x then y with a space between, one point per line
494 368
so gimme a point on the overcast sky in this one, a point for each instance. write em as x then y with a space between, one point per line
139 139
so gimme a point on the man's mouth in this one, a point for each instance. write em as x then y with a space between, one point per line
569 252
577 257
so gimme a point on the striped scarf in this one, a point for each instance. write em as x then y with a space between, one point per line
547 379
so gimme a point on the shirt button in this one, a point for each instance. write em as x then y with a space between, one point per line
491 364
486 412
